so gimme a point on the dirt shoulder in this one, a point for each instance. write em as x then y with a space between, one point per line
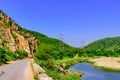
29 72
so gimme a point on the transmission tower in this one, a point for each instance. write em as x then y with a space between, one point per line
61 42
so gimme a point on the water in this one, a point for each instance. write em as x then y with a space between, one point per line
92 73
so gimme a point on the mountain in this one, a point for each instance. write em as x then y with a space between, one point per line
17 42
14 38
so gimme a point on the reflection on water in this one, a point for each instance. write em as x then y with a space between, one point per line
92 73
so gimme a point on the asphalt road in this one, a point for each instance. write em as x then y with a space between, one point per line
19 70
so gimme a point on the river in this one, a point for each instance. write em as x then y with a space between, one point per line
93 73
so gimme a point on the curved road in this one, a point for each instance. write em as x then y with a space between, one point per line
19 70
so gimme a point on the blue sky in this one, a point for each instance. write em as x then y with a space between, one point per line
80 21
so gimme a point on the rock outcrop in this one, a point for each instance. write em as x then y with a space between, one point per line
14 37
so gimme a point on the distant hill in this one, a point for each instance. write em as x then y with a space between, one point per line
106 44
110 45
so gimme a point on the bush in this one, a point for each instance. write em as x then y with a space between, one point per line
21 53
60 76
14 35
2 56
10 55
6 55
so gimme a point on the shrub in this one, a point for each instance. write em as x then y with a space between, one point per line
21 53
14 35
2 56
6 55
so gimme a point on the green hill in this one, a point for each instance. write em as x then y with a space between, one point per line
104 43
20 41
104 47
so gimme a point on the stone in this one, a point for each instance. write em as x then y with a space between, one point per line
32 61
37 69
68 72
44 77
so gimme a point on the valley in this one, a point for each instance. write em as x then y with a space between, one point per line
17 43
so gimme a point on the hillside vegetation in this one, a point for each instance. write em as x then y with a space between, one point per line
18 43
15 42
49 52
104 47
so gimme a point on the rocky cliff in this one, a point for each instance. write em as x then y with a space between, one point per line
13 37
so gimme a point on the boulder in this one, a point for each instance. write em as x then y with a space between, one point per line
37 69
44 77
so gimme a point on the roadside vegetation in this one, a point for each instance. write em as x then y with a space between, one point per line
7 55
51 56
55 56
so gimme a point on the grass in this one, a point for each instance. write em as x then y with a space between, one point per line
56 75
35 77
60 76
70 61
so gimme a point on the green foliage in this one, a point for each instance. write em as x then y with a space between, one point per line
10 55
71 77
5 41
21 53
104 47
60 76
36 34
9 24
6 55
35 77
103 43
2 56
43 52
48 51
14 35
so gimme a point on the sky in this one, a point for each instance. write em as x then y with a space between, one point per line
80 22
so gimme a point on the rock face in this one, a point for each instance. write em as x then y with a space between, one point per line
14 37
23 44
34 44
11 40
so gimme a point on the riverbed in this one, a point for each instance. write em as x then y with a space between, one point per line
93 73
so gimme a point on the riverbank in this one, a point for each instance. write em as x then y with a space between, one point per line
109 63
67 62
64 73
